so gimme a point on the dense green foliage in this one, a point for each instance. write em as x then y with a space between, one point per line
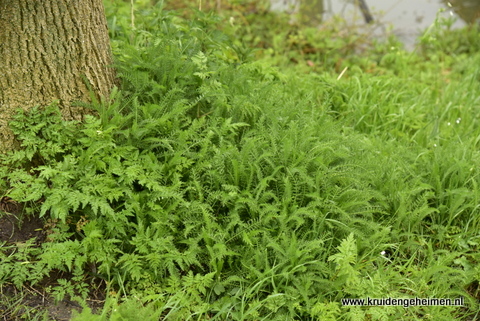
215 186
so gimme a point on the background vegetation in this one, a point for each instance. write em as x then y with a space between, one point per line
251 168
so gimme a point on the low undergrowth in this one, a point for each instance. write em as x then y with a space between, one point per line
212 186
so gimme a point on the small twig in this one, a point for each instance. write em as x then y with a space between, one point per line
94 300
341 74
206 114
29 288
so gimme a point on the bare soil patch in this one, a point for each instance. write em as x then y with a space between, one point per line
33 302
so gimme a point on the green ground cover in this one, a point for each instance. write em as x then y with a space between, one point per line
249 173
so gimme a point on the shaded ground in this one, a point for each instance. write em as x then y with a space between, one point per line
32 303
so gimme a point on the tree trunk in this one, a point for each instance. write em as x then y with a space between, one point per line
49 50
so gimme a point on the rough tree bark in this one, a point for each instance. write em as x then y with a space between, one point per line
48 51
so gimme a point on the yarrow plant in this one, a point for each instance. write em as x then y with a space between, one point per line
214 186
